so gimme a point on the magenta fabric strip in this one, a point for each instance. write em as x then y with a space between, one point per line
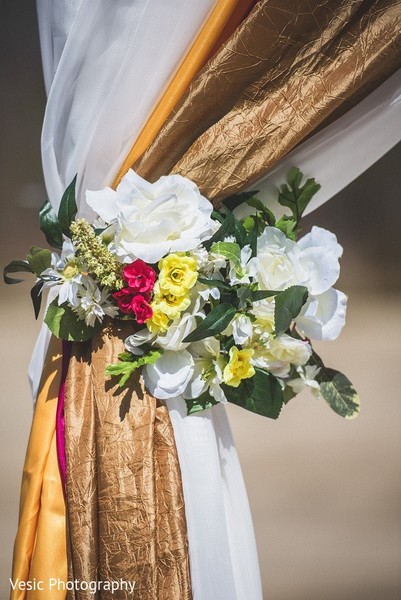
60 424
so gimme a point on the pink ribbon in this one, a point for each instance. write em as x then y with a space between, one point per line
60 423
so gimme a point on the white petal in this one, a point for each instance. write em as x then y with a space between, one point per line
170 374
197 385
241 329
323 316
320 237
103 202
137 339
322 268
177 331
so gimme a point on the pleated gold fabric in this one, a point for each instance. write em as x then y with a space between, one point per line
290 68
125 508
40 551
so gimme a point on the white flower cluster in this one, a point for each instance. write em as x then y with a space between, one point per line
312 261
78 290
191 369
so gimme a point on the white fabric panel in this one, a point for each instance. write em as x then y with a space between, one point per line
345 149
223 558
55 21
116 62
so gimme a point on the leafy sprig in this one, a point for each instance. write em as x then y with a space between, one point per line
128 363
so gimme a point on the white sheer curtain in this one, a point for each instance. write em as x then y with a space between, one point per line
106 64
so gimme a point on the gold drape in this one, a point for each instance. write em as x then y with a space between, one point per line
125 508
40 545
289 68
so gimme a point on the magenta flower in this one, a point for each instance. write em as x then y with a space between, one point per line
124 299
139 277
141 308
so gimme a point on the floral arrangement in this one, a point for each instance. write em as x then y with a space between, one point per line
222 309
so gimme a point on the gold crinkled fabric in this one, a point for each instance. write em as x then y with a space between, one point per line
290 68
125 507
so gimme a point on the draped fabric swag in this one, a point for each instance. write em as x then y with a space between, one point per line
235 105
288 70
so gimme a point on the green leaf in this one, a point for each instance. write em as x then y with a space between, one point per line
244 295
36 296
266 212
68 208
221 285
307 192
294 177
39 259
336 389
339 393
288 226
227 228
127 356
261 394
50 225
16 266
230 250
64 324
232 202
262 294
252 238
215 322
288 305
125 367
289 394
195 405
295 196
240 233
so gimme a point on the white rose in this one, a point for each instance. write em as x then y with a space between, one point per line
323 316
169 375
277 264
319 259
152 219
287 349
278 354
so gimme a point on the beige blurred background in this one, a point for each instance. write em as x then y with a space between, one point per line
325 493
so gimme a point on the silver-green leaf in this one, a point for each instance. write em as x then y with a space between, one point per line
340 394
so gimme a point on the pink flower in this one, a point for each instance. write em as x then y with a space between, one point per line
124 300
139 276
141 308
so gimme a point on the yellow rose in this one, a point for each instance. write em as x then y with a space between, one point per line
159 320
168 303
177 273
239 367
